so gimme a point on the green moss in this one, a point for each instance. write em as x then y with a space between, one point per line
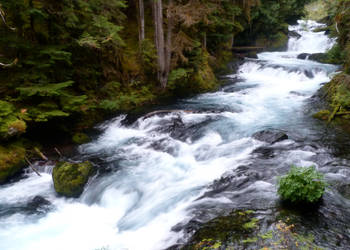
11 161
234 227
250 240
80 138
322 115
70 178
251 224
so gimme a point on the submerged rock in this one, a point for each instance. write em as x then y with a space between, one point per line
39 205
11 161
70 178
270 136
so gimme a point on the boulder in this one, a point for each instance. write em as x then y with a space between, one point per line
270 136
293 33
12 161
70 178
303 56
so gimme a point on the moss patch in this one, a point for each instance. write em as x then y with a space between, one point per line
322 115
11 161
80 138
70 178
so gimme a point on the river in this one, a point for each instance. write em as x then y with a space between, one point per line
160 172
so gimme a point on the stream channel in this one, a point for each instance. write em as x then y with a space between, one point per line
161 176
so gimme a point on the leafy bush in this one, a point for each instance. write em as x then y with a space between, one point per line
302 184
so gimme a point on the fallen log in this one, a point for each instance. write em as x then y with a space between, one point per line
31 166
336 109
42 156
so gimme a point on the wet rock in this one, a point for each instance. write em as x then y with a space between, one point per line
293 33
270 136
344 190
264 152
303 56
38 205
309 74
70 178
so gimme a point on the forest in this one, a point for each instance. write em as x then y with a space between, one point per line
67 66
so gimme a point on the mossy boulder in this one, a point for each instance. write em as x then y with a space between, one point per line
12 161
70 178
319 57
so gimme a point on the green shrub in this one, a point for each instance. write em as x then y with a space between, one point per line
302 184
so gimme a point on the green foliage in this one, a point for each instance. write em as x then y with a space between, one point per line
302 184
44 90
10 124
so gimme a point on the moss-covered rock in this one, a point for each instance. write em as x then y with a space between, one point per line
80 138
319 57
70 178
11 161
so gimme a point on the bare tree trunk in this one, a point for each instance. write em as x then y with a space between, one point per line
142 21
168 48
204 40
232 39
159 40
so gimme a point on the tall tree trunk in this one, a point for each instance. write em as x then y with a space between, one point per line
168 48
142 21
232 39
159 40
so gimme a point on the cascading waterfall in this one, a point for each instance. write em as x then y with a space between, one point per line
157 168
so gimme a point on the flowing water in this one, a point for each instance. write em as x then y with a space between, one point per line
161 172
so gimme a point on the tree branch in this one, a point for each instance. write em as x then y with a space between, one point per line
2 14
4 65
